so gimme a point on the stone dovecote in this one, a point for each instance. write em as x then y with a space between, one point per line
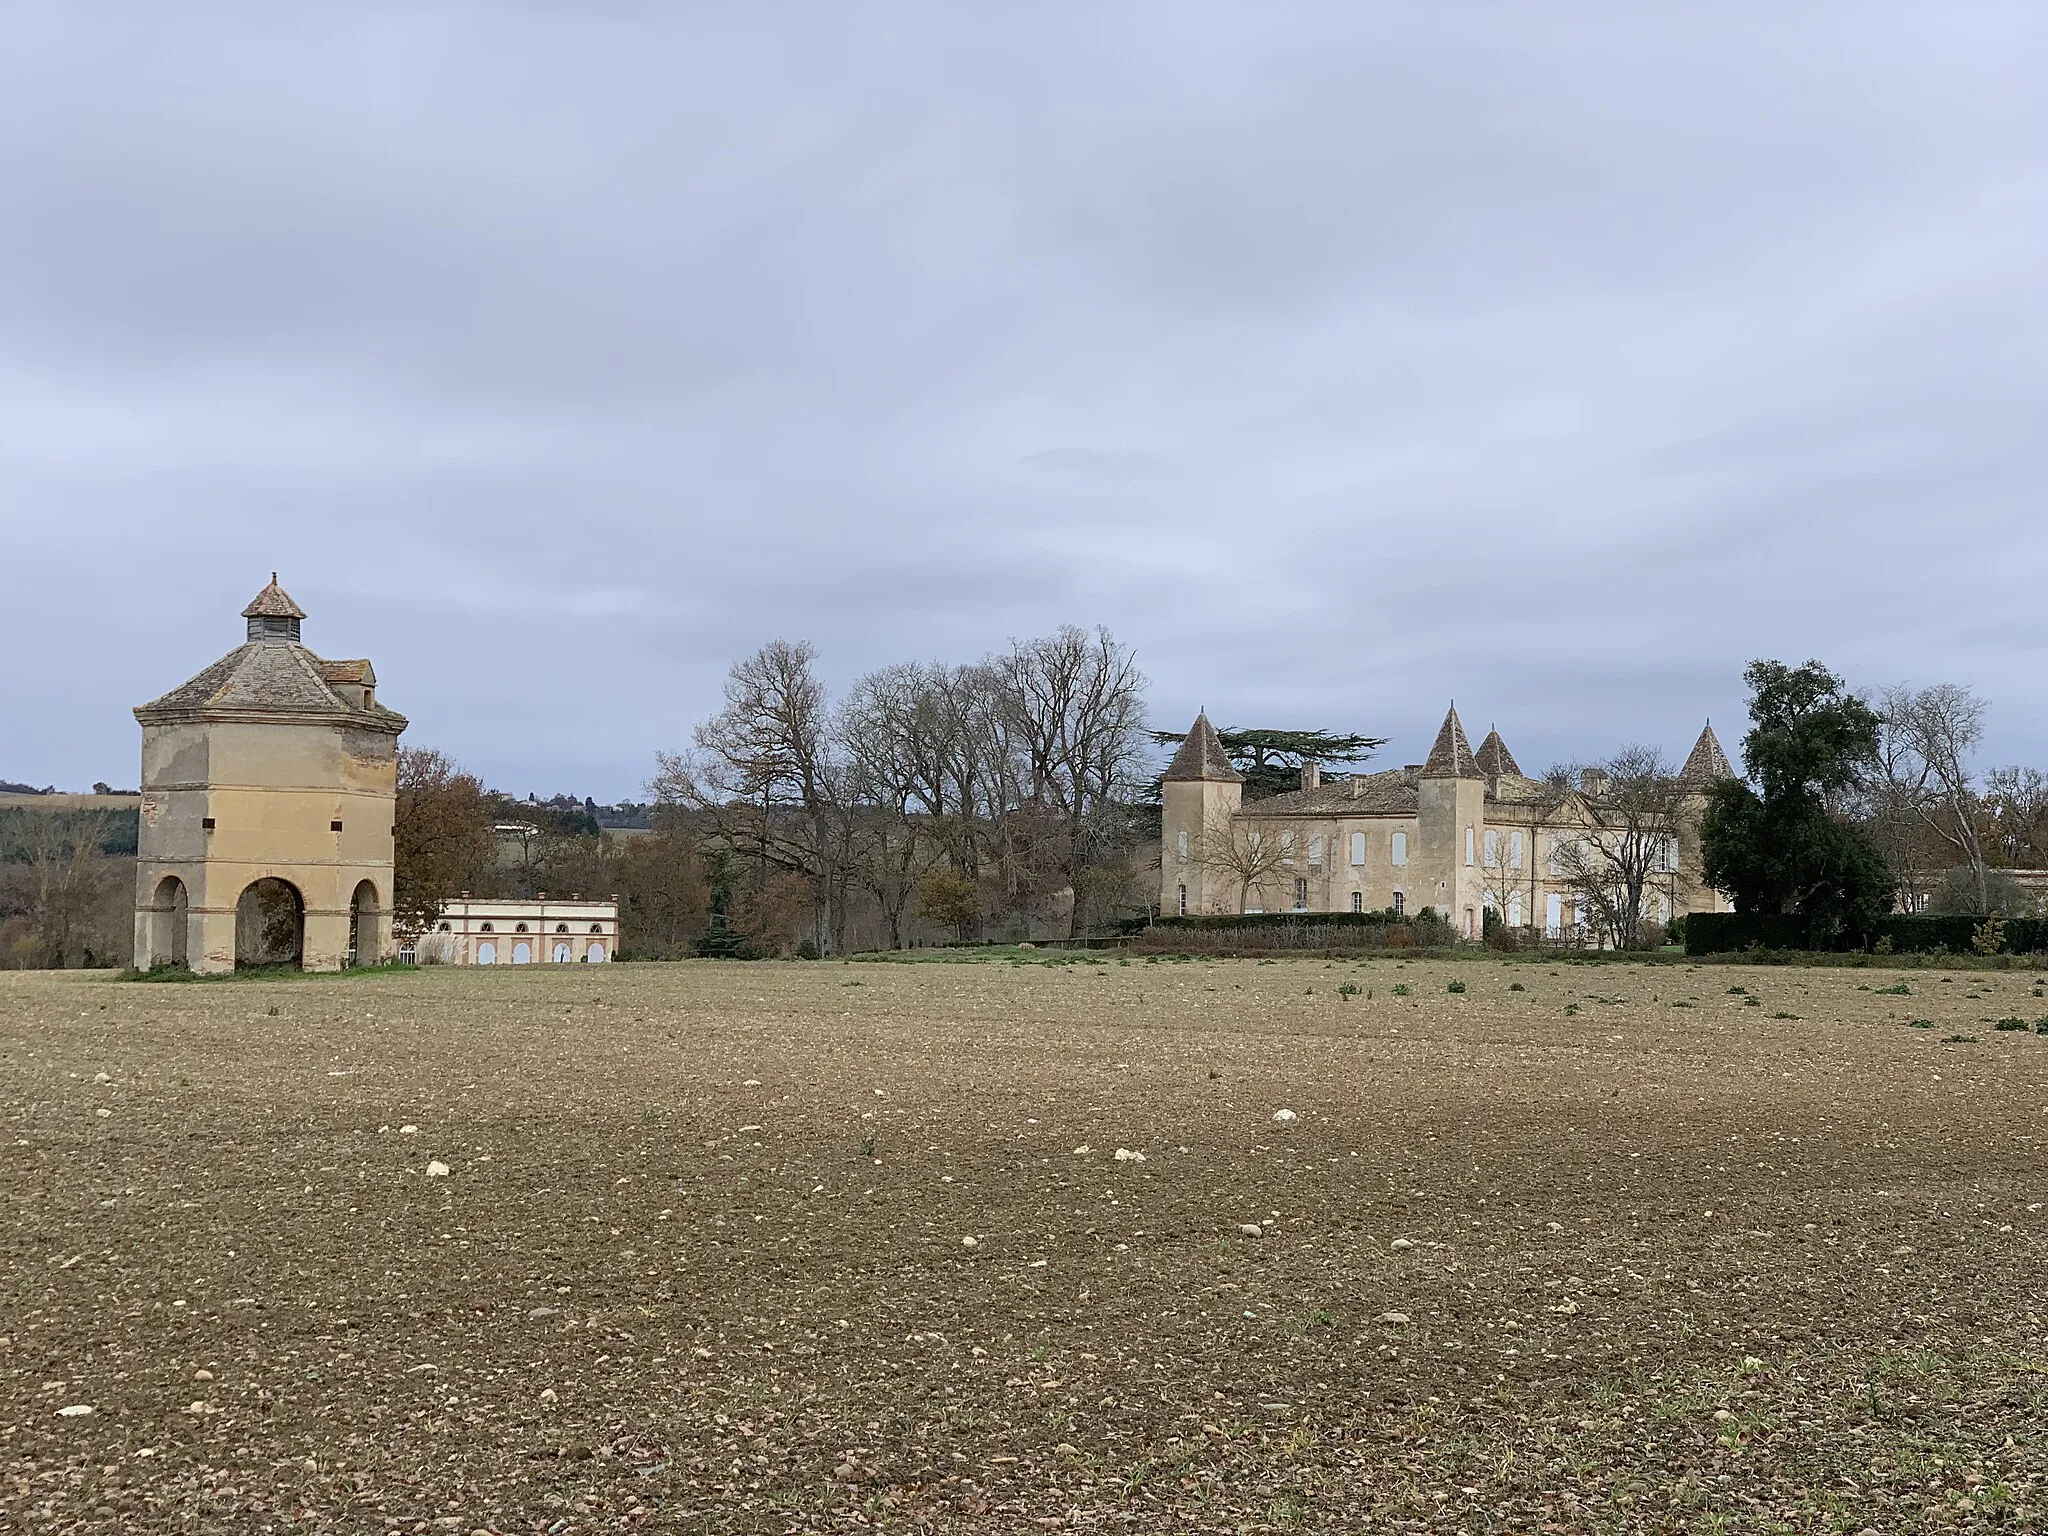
269 781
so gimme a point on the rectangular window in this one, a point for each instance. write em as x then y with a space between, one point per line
1315 848
1400 900
1492 849
1553 914
1300 895
1286 847
1183 901
1357 848
1468 855
1398 847
1515 850
1358 901
1183 844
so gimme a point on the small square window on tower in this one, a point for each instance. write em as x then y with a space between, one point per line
206 823
334 826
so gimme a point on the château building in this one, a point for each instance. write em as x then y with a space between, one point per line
1459 833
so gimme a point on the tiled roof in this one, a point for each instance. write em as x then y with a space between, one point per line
1201 757
1495 759
349 672
1363 794
268 677
1707 761
1451 757
273 602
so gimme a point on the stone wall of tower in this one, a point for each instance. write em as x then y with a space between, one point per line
1450 839
1190 810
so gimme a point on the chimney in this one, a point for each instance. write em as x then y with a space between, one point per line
1311 775
1356 784
1593 781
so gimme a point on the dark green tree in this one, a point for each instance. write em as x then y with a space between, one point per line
1271 760
1776 842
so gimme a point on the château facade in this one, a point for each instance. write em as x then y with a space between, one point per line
1459 833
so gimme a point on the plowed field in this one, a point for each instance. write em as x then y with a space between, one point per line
994 1246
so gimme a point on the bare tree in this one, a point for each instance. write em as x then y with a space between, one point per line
895 777
1925 737
1630 852
2015 802
1073 717
1244 854
1506 864
69 898
764 773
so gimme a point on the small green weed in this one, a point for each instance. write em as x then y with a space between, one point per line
1456 986
2011 1024
1516 986
1400 989
1898 989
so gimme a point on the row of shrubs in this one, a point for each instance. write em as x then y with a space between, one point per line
1720 933
1295 931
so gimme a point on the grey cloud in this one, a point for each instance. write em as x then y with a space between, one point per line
1344 358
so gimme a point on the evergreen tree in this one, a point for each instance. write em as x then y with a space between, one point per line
1775 842
1271 760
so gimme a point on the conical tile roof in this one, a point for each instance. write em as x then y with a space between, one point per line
1451 757
1495 760
1707 761
1201 757
273 602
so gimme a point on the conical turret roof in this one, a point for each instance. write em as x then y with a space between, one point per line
1495 760
1707 761
1451 757
1201 757
273 602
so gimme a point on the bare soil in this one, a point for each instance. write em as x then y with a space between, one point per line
849 1246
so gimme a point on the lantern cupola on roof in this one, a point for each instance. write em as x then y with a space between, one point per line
272 614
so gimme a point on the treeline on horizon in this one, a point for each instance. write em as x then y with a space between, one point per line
1017 796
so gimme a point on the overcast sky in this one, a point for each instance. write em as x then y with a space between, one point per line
1343 359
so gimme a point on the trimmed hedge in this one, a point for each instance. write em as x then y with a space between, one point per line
1720 933
1380 919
